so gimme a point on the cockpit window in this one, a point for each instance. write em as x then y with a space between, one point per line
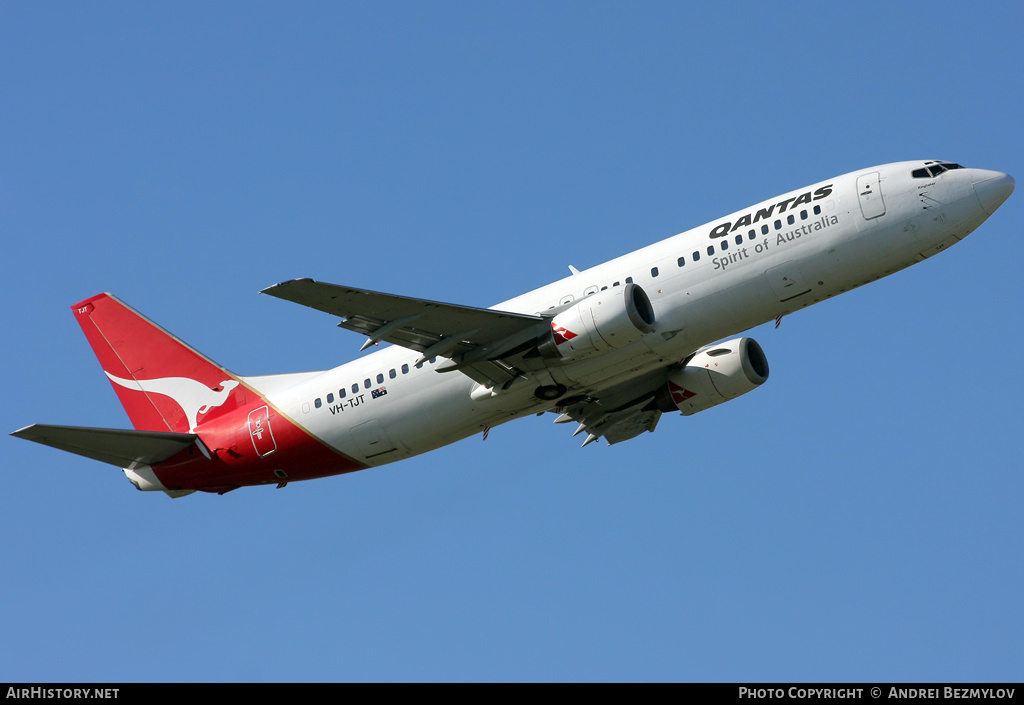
934 169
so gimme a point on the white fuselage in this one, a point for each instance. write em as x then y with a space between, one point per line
751 266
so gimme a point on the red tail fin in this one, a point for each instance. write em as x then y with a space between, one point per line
163 384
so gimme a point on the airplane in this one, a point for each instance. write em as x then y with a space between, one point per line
611 348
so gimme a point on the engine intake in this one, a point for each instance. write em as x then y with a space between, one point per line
604 321
715 375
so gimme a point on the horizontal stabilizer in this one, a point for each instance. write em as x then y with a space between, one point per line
110 445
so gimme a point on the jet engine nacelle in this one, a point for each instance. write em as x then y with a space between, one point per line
714 375
600 322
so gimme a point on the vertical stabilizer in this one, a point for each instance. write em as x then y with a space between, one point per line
163 384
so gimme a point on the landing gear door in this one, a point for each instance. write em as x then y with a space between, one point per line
869 193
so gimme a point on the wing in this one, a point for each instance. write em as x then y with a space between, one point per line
476 337
621 412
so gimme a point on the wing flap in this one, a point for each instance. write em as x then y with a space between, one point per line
417 324
118 447
630 427
618 413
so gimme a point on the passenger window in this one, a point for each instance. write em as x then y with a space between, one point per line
696 257
790 219
724 245
603 288
615 283
681 261
391 373
739 239
565 300
405 369
764 229
654 271
629 280
751 235
711 249
366 383
341 393
380 379
330 398
590 290
778 225
817 210
355 388
318 403
803 215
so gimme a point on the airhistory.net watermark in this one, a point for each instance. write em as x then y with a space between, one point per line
63 693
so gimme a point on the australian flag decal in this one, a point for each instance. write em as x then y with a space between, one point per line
378 393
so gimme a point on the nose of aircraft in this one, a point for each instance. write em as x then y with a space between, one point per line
992 188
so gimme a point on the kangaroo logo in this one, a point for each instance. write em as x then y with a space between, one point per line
561 334
193 397
679 394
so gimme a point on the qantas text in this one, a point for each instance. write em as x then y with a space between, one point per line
723 229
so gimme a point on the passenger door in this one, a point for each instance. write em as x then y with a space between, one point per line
869 193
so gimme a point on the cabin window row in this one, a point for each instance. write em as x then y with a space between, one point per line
367 383
695 256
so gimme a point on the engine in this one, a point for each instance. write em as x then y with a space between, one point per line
600 322
714 375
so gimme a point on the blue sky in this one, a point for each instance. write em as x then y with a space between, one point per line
856 518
